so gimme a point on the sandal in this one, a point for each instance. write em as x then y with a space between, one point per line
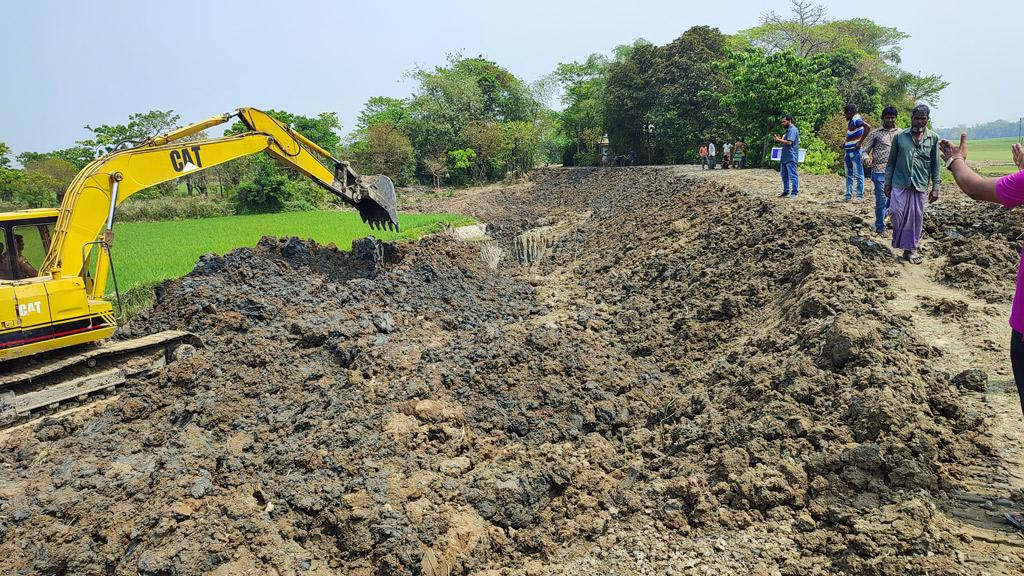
1015 518
912 257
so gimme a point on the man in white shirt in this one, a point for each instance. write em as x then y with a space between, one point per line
711 155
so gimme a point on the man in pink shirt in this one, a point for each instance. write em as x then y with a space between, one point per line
1008 191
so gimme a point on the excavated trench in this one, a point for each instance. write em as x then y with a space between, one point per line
642 372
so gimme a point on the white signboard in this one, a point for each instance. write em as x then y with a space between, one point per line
777 154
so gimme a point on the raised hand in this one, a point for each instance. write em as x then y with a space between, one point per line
1018 155
948 151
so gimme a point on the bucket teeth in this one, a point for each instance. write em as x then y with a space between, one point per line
378 206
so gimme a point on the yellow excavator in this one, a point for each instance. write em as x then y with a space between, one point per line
54 264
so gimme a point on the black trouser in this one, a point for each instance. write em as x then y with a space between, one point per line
1017 361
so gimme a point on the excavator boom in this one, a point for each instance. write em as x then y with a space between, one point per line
91 200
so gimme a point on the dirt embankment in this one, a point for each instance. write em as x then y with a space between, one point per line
675 375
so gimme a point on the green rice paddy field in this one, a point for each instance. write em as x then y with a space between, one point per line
992 156
147 252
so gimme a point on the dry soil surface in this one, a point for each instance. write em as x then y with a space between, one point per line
645 371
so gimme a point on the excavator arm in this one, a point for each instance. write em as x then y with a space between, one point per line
90 202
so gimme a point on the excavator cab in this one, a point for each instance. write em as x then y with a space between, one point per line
25 237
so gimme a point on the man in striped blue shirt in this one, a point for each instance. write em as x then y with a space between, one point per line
856 131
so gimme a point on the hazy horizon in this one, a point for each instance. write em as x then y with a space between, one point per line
72 64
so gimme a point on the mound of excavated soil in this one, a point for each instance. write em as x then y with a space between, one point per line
981 243
687 377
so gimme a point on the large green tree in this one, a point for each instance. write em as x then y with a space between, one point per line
808 32
519 146
767 86
383 110
447 101
631 100
384 149
24 189
5 155
59 172
457 122
581 122
685 76
505 98
865 56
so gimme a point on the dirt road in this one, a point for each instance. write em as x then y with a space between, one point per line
646 371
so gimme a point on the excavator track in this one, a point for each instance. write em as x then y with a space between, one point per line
42 384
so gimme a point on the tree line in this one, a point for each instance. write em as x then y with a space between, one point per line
472 121
994 129
662 102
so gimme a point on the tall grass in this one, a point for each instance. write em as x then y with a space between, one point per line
173 208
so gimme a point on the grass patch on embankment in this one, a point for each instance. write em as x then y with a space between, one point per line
146 253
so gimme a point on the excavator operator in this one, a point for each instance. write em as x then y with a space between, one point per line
25 268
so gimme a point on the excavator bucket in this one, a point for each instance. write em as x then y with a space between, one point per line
378 206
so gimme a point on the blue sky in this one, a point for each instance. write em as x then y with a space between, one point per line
68 64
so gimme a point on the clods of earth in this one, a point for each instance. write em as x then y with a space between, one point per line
676 375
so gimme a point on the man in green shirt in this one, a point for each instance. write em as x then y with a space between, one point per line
912 170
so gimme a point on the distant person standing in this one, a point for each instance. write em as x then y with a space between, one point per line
912 169
703 157
711 155
876 148
787 161
739 150
726 155
856 131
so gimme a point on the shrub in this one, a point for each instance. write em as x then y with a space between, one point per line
388 151
461 163
819 159
171 208
266 192
303 195
519 147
